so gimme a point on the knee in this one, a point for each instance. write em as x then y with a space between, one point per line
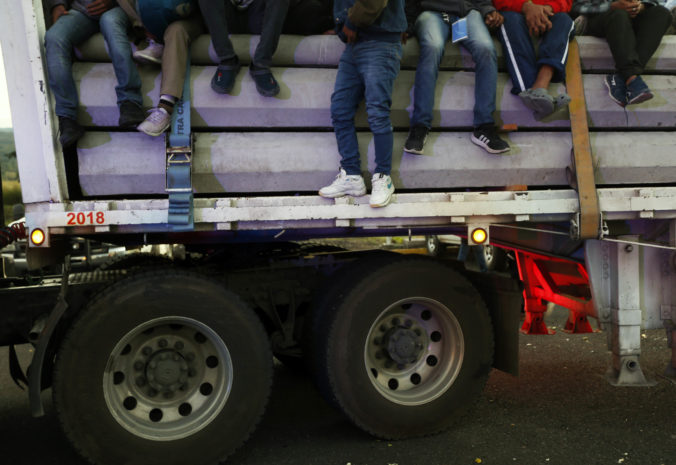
618 17
57 42
176 34
379 119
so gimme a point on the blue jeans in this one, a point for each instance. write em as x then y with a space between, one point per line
74 28
522 63
367 69
264 17
433 33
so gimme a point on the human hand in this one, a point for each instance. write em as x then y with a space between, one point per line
98 7
350 35
537 17
404 37
57 12
632 7
494 19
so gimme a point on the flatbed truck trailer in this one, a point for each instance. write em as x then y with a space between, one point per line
152 360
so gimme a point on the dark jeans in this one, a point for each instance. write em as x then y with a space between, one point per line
367 70
264 17
632 41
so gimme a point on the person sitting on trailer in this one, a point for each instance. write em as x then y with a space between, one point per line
532 73
433 29
634 30
309 17
373 31
264 17
177 27
74 22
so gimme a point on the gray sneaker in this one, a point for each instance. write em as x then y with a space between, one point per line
156 123
344 184
580 25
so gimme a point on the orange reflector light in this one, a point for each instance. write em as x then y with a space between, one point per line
479 235
37 236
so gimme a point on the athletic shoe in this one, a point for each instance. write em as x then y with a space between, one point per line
131 115
415 142
381 190
156 123
344 184
616 89
69 131
580 25
638 91
224 78
266 84
486 136
152 53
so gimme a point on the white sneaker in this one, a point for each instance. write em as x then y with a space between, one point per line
344 184
156 123
152 53
381 190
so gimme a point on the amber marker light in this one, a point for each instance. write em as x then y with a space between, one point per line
37 236
479 235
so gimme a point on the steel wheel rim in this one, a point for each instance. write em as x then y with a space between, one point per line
167 378
414 351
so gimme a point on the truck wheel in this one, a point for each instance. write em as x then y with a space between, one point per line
409 349
161 368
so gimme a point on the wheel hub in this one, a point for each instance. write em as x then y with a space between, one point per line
167 371
403 345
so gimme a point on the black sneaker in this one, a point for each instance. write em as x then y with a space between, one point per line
486 136
266 84
225 77
131 115
415 142
638 91
617 90
69 131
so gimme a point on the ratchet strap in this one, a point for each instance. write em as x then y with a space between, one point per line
179 163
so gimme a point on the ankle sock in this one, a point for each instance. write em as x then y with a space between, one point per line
167 102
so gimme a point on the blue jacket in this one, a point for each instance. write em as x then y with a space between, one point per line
372 19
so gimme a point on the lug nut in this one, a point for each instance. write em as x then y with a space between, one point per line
408 323
147 351
395 321
138 365
162 343
178 345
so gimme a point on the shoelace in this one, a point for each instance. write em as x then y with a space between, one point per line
380 181
157 114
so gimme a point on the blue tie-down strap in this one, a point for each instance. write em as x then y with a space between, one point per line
179 163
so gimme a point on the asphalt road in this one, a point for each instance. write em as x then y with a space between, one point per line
560 410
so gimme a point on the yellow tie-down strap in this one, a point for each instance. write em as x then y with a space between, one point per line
589 224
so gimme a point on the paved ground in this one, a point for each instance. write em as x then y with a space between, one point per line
560 410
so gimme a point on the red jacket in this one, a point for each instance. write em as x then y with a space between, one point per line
559 6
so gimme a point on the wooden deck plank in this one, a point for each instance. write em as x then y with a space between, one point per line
325 51
304 100
132 163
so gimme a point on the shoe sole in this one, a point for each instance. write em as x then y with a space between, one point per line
384 203
268 93
414 151
147 60
154 134
610 94
640 98
343 194
486 147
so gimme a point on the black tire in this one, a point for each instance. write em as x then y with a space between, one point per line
215 398
434 246
496 258
327 298
135 261
397 371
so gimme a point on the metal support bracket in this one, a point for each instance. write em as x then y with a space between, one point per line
588 224
179 163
